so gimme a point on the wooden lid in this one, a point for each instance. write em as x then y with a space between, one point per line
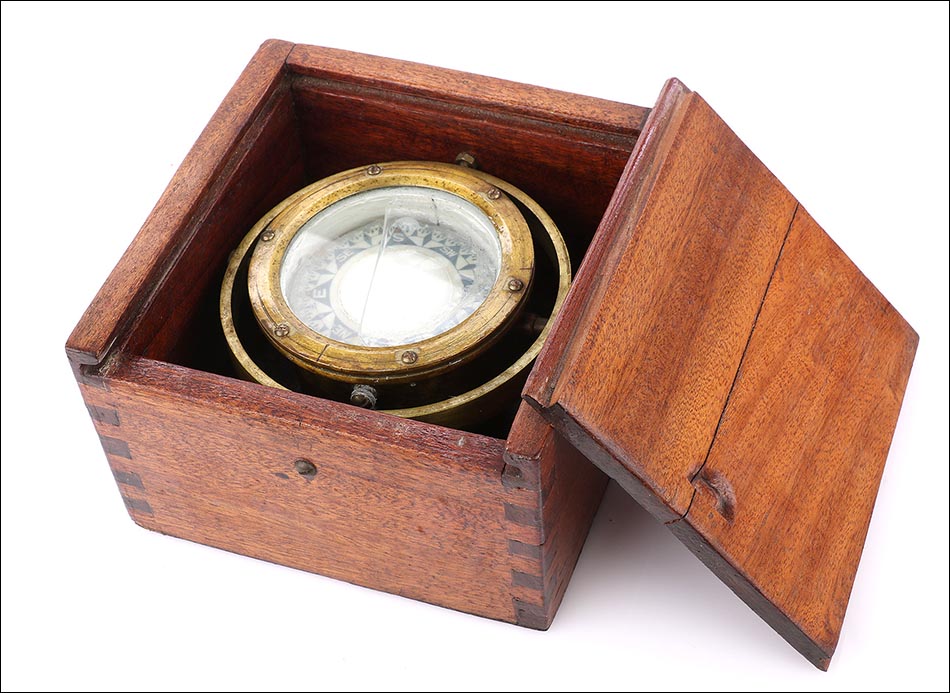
725 362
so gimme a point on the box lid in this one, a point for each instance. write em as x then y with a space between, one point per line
725 362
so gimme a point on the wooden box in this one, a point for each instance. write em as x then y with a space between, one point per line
718 355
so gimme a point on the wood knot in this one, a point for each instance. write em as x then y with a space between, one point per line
721 490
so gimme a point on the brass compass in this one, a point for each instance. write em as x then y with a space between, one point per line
400 285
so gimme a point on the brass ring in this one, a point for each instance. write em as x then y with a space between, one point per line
337 360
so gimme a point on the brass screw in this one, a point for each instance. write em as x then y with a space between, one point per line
305 468
515 284
363 396
281 329
494 193
467 160
409 357
267 236
374 170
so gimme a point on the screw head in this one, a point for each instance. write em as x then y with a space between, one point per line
374 170
363 396
515 284
466 159
281 329
267 236
494 193
409 357
305 468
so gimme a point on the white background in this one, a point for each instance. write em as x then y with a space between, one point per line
847 104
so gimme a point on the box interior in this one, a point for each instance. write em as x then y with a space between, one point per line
311 128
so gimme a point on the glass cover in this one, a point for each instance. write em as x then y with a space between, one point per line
391 266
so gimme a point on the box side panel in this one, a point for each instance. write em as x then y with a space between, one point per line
574 493
180 323
815 405
568 492
467 90
571 173
157 246
395 505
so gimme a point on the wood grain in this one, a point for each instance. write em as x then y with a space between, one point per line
397 505
815 405
733 370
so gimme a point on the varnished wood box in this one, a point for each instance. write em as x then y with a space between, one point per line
491 525
718 355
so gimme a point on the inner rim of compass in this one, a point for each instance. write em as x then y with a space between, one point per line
391 266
